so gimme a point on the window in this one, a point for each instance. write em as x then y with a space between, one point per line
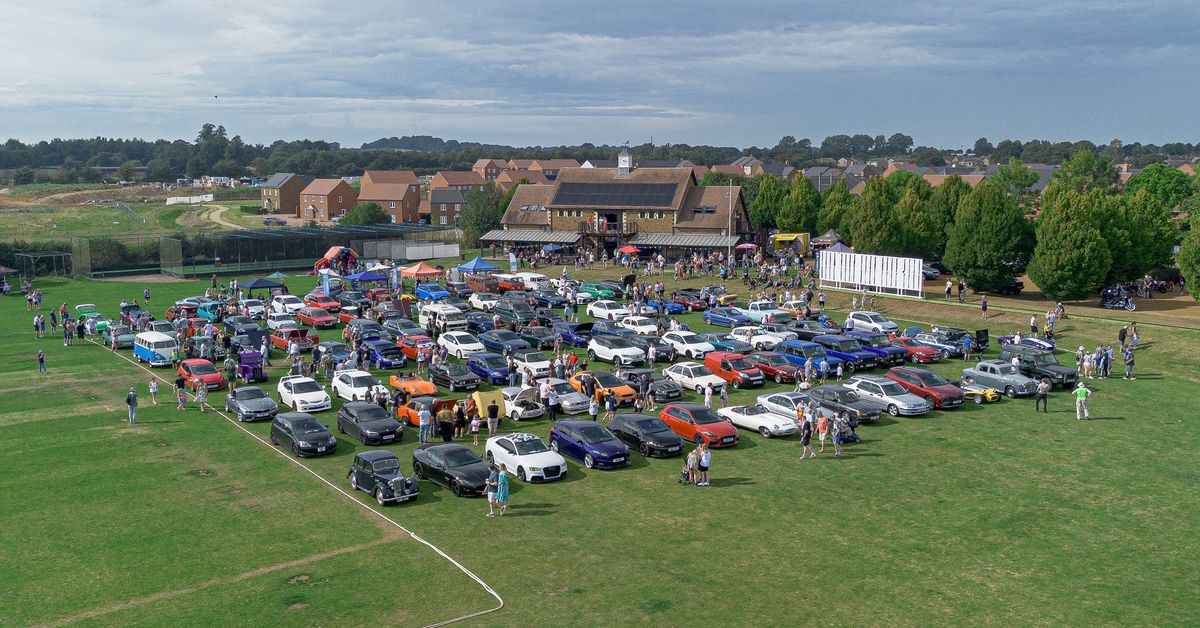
339 199
458 207
441 220
393 217
392 205
305 198
443 208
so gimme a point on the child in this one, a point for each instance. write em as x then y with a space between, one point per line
839 373
181 397
475 429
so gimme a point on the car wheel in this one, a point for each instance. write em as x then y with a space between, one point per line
274 441
379 496
353 481
295 407
699 389
893 410
929 398
913 357
521 474
589 461
766 433
490 458
452 387
591 355
456 488
737 383
419 470
779 378
698 439
849 367
644 449
979 399
554 446
295 450
1010 392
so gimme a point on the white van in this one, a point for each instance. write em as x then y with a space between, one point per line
453 317
534 281
154 347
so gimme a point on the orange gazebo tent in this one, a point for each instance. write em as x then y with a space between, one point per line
420 269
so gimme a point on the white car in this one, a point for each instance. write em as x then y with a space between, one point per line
527 456
532 359
485 301
693 376
276 320
460 344
870 321
521 403
760 310
302 394
570 401
581 298
888 395
761 420
254 308
614 349
286 304
355 385
608 310
756 336
779 330
640 324
688 344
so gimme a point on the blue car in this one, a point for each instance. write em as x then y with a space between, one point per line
590 443
502 341
725 342
885 352
574 334
848 350
431 291
546 298
610 328
384 354
726 317
799 352
491 367
338 351
478 322
666 307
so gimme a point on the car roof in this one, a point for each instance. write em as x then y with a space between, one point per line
520 437
686 406
578 422
294 416
359 405
879 379
375 455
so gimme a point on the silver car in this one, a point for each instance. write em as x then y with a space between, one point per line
570 401
888 395
1002 376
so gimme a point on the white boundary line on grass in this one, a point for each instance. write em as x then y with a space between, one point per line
352 498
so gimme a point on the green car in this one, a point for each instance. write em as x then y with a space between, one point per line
539 337
88 310
123 333
596 290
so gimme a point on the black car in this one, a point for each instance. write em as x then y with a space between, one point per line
550 299
647 434
538 337
458 289
663 352
664 389
250 403
453 376
453 466
370 329
845 402
807 329
955 336
1040 364
377 472
1013 288
548 316
235 325
303 434
368 423
479 322
514 311
215 353
353 298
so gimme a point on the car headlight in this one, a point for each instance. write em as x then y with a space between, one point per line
370 433
304 443
709 434
535 469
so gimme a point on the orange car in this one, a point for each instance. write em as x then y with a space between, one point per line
377 294
180 311
410 345
413 385
605 382
409 410
316 317
321 300
203 370
304 340
347 313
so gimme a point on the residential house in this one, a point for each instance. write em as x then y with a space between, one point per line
780 171
864 171
489 169
551 167
599 163
736 171
936 180
457 180
326 199
445 205
507 179
398 192
1188 169
748 164
520 164
823 177
281 193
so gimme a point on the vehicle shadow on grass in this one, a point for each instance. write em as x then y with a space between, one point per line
724 482
1107 418
535 509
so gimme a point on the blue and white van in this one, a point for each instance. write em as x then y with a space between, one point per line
154 347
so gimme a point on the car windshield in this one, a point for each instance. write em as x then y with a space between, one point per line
1006 369
251 393
741 364
618 343
518 306
846 396
595 434
335 346
607 380
457 369
308 426
715 337
1045 359
316 311
530 356
461 457
203 368
562 388
874 341
534 446
119 330
704 416
813 352
363 381
538 332
495 362
504 335
875 318
389 350
306 387
652 426
773 360
690 338
933 379
892 389
847 345
252 303
387 465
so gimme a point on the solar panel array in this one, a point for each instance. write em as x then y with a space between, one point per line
615 194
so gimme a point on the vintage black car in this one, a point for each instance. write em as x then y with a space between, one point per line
251 403
453 376
453 466
235 325
538 336
195 348
664 389
369 423
377 472
458 289
647 434
846 403
548 316
303 434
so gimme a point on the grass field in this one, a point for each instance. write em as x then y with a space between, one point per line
981 515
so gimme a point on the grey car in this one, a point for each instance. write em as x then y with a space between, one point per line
664 389
570 401
1002 376
251 403
888 395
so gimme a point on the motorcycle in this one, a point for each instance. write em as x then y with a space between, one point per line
1118 303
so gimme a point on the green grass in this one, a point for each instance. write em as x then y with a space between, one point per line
982 515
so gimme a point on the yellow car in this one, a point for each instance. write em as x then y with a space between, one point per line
726 299
980 393
795 307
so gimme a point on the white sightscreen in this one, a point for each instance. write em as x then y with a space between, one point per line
873 273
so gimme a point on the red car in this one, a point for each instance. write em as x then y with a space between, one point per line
411 345
510 283
305 340
694 422
322 300
774 366
734 368
348 313
180 311
377 294
690 300
926 384
917 352
316 317
202 370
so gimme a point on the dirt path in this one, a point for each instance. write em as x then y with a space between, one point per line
215 216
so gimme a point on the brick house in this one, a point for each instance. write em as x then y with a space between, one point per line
445 205
398 192
551 167
324 199
489 169
281 193
520 164
508 179
457 180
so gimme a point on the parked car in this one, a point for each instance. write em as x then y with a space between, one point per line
250 403
458 289
454 377
383 354
605 383
369 423
526 455
414 385
570 401
322 301
690 300
460 344
415 346
485 301
254 308
239 325
735 369
409 412
870 321
533 361
664 389
948 350
573 334
757 337
277 320
302 393
613 349
502 341
663 352
1040 364
304 340
1000 375
588 442
640 325
888 395
927 385
688 344
880 345
762 311
519 403
338 351
726 317
849 351
694 376
286 304
353 385
648 434
695 423
203 371
303 434
491 367
376 472
801 352
979 393
774 366
431 291
1028 341
478 322
917 352
611 328
595 290
316 317
726 342
761 420
845 402
123 334
608 310
783 403
538 337
453 466
517 312
666 307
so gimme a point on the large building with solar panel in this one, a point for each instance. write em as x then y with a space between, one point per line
603 209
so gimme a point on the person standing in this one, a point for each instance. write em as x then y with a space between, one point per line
132 402
806 431
154 390
692 463
502 489
708 394
1040 398
445 419
1033 326
424 419
492 484
1127 354
822 431
41 360
702 464
966 348
552 405
493 417
1081 393
1133 336
839 372
594 408
475 429
962 287
983 308
724 396
201 393
949 287
1123 335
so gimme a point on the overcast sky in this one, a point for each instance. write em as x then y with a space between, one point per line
526 73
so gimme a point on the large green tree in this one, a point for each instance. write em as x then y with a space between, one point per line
836 209
1072 257
1188 259
988 232
1016 180
873 227
922 228
1086 170
1152 232
366 214
481 213
800 207
765 207
1168 186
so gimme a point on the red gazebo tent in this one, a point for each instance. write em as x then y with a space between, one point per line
630 249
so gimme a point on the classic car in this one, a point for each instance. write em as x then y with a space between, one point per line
605 383
206 347
502 341
694 422
756 337
316 317
254 308
690 300
588 442
774 366
639 325
979 393
726 317
350 313
278 320
302 393
414 346
1000 375
414 385
527 456
455 377
596 291
846 403
123 334
948 350
648 434
322 301
240 325
538 337
761 420
369 423
927 385
131 312
303 434
355 385
694 376
199 372
1039 364
338 351
377 472
250 403
783 403
879 344
1028 341
478 322
762 311
453 466
888 395
304 340
384 354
